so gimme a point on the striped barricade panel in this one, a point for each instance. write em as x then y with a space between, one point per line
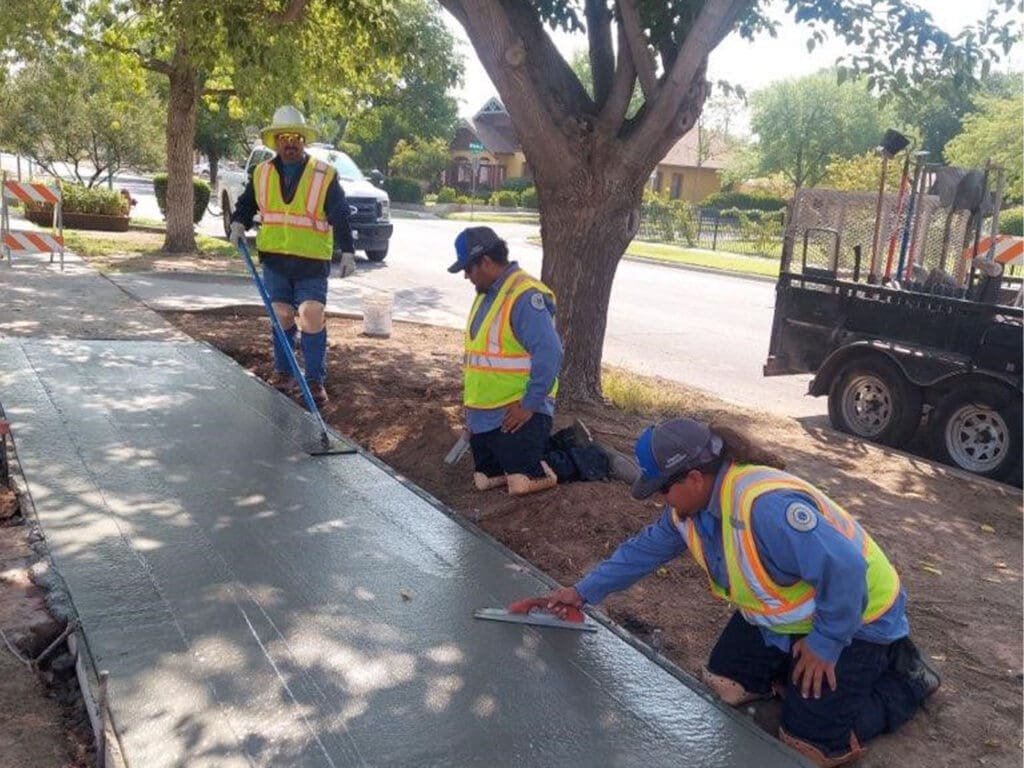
30 193
23 243
1008 249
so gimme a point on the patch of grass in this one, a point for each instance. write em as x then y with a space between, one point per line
721 260
495 218
646 395
136 251
143 221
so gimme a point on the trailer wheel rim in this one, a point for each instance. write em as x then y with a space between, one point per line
867 405
977 438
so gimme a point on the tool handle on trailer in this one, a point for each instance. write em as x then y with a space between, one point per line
283 341
572 613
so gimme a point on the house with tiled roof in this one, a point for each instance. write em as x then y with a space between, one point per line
501 158
692 169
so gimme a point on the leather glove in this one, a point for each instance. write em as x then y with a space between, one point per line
344 264
236 233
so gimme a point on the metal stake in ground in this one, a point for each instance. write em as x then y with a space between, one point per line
327 445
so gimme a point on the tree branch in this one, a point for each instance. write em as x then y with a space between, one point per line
630 20
602 57
218 92
614 111
536 84
295 10
668 116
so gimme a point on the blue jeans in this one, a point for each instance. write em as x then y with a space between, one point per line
516 453
869 698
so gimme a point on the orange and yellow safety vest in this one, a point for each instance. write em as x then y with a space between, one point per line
298 228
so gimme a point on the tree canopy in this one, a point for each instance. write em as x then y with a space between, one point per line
803 124
993 132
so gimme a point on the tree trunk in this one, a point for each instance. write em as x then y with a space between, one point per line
181 129
214 159
585 229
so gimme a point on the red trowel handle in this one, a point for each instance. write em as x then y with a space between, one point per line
572 613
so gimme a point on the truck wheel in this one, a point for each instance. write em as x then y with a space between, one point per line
225 213
871 398
377 256
978 428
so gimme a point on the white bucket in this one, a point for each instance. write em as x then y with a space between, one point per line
377 314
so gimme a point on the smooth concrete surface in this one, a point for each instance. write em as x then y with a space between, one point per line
258 606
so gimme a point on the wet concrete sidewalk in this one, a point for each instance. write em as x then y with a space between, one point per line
258 606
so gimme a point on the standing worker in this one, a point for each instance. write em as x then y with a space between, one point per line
510 372
820 609
304 227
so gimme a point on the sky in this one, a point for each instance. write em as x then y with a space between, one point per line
752 65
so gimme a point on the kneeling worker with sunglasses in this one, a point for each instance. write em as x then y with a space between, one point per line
821 616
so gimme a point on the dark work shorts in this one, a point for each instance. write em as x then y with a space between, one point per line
519 453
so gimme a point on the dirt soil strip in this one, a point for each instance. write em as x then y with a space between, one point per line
956 542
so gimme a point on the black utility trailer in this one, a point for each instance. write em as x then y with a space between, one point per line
896 359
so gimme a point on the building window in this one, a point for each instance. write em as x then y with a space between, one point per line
677 186
656 182
465 174
485 174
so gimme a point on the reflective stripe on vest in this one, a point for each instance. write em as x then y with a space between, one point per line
298 228
784 609
496 367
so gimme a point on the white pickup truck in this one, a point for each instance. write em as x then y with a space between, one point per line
369 207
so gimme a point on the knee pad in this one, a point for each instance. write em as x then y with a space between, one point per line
312 317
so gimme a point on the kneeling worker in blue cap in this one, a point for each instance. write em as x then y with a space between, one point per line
821 616
510 370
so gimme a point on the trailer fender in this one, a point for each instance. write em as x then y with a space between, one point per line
919 367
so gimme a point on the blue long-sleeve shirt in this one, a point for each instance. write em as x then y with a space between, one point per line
335 208
533 323
821 556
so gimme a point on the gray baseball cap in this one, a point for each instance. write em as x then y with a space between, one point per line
669 450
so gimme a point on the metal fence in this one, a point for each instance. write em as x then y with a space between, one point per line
749 233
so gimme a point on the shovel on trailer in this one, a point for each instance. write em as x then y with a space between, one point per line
533 611
327 446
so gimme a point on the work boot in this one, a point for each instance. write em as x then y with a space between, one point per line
819 758
620 466
319 392
581 434
908 663
485 483
282 382
520 485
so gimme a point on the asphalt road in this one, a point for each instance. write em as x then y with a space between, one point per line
698 328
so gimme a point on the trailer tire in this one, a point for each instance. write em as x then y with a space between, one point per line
872 399
977 427
225 212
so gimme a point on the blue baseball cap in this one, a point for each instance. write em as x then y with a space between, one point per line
669 450
471 244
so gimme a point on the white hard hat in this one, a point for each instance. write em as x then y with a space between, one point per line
287 119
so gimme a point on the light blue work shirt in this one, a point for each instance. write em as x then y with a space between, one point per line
533 323
821 556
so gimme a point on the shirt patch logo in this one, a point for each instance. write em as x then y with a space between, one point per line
801 517
537 301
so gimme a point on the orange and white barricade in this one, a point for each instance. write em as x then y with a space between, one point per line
1006 249
22 242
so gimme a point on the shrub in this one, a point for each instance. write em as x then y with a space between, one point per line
1011 222
403 190
431 198
744 201
506 198
80 199
665 220
528 198
200 192
516 185
464 200
482 196
447 195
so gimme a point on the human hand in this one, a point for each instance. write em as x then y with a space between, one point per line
344 264
810 670
562 599
236 233
515 417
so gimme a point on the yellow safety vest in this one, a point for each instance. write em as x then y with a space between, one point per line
298 228
789 609
496 367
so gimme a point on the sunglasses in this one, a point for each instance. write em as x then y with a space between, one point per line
672 481
290 137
